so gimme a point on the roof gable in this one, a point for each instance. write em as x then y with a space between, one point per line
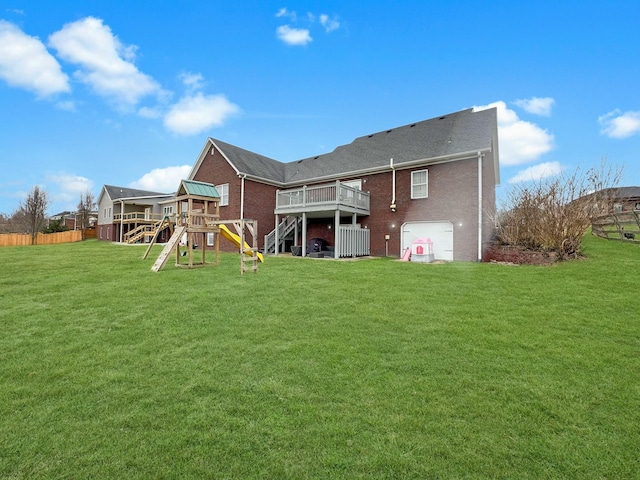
250 163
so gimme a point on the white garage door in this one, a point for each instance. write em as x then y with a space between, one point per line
440 233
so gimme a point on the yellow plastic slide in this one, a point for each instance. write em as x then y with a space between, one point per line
235 239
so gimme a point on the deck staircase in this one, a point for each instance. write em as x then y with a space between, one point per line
285 231
142 231
168 248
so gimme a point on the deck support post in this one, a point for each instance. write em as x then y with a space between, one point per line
277 239
304 234
336 234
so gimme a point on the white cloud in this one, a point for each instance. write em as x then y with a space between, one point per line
329 24
105 63
520 141
71 183
26 63
164 180
620 125
537 172
293 36
283 12
193 81
67 188
536 105
149 112
196 113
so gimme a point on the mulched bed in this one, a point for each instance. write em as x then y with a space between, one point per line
518 256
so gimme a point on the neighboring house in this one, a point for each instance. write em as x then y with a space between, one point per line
624 199
614 200
131 215
433 179
618 213
73 220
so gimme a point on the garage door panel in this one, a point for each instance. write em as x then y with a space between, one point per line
440 233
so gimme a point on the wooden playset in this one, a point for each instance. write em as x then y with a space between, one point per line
197 218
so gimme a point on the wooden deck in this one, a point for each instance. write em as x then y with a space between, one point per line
323 198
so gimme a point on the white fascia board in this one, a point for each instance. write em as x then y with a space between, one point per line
102 193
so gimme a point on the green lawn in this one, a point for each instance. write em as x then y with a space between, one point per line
317 368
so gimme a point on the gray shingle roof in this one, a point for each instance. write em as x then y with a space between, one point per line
447 135
116 193
623 192
252 163
629 192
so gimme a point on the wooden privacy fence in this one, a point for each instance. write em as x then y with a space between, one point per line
619 226
18 239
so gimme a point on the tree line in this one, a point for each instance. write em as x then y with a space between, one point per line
31 215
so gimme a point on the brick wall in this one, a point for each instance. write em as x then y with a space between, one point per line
453 197
259 198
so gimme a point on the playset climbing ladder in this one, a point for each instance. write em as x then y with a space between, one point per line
168 248
162 224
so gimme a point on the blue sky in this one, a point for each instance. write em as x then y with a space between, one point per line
105 92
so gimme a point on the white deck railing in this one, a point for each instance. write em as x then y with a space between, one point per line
330 195
353 241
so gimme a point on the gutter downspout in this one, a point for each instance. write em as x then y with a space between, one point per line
480 155
393 186
242 177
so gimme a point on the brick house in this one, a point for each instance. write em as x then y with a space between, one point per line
73 220
432 179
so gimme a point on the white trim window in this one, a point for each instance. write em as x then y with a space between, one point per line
167 210
210 239
223 190
420 184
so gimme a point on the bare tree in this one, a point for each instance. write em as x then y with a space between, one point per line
31 212
5 226
85 207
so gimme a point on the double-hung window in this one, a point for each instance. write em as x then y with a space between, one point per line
420 184
223 190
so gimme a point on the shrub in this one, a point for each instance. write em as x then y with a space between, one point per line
552 215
